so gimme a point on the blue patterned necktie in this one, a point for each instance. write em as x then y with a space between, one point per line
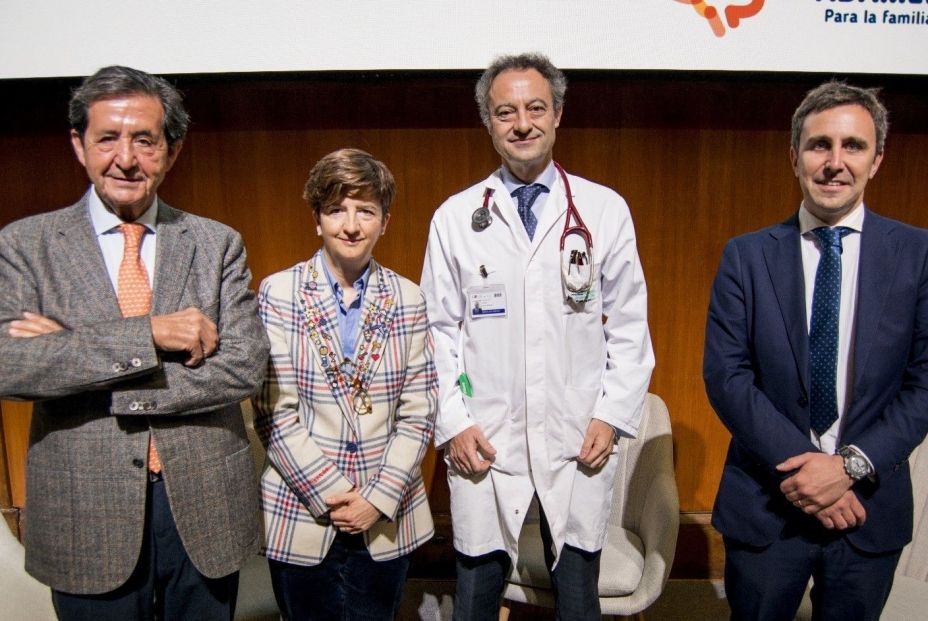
823 331
526 195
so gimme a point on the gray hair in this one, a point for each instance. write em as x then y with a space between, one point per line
538 62
115 81
834 93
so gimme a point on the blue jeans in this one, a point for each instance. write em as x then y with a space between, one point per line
347 585
575 582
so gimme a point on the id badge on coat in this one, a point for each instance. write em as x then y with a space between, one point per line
487 301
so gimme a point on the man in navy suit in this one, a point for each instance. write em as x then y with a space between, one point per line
816 360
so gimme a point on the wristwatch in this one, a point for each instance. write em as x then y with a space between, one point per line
855 464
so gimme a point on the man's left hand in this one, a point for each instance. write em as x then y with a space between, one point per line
33 325
844 514
597 444
351 513
819 481
187 330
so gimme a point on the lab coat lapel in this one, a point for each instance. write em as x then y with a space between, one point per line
503 207
553 212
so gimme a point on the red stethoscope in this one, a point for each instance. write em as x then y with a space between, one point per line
578 259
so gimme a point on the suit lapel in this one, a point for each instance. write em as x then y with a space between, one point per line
174 259
319 312
876 270
78 248
784 266
379 311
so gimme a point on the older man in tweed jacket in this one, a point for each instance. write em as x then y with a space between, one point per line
141 493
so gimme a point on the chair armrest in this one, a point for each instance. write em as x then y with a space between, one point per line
660 523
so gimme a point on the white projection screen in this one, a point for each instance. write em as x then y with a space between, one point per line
48 38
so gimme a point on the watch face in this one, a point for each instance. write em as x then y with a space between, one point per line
856 466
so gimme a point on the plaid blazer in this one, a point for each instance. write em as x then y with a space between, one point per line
317 446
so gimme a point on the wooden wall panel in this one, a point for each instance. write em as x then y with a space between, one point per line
267 206
700 158
5 497
16 416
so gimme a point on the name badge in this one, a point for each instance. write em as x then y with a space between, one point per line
487 301
579 297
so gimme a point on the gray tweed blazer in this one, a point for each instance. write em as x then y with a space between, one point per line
101 389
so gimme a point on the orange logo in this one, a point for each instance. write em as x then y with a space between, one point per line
734 13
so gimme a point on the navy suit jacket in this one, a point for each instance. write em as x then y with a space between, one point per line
757 377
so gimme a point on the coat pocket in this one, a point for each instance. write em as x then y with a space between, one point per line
570 427
494 415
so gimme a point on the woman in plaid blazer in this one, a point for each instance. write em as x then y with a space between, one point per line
347 410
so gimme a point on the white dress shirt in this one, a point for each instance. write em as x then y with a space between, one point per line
112 241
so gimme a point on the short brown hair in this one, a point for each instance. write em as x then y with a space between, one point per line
834 93
349 172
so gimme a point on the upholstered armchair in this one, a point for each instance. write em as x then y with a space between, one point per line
642 532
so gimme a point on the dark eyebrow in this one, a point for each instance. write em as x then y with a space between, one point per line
818 138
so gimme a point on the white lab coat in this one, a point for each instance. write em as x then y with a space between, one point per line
541 372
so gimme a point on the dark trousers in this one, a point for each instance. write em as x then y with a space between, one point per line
164 585
348 585
767 584
575 582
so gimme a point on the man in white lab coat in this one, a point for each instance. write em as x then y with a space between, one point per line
538 370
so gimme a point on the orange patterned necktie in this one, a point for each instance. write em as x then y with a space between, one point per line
134 295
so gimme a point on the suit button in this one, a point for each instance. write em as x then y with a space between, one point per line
138 463
134 406
136 362
803 401
351 447
117 367
151 405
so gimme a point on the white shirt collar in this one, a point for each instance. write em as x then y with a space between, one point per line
546 178
105 220
853 220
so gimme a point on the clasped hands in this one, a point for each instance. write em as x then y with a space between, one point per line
820 487
351 513
471 453
187 330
